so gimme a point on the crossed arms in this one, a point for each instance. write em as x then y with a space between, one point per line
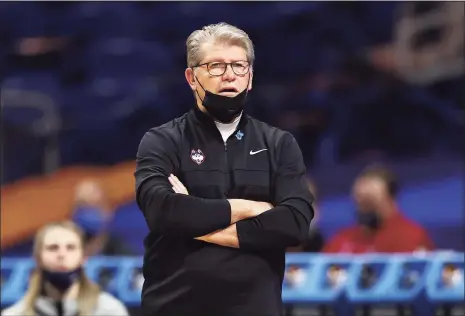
169 210
228 236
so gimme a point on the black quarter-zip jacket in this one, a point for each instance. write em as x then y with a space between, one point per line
187 277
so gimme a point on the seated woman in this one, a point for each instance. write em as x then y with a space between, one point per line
59 285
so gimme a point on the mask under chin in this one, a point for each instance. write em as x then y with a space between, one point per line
60 280
369 219
224 108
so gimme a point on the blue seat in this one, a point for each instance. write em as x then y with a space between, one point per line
17 272
296 8
127 57
389 287
300 292
382 277
400 282
105 272
382 15
437 290
19 107
108 99
39 82
127 286
110 19
92 104
161 19
317 289
35 19
26 19
254 15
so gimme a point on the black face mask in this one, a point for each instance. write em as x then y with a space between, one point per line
369 219
223 108
61 280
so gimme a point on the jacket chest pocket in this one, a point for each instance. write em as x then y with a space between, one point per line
204 183
202 173
253 185
253 176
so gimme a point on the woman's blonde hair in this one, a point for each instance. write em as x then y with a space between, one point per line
88 290
217 33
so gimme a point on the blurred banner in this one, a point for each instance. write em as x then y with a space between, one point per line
421 285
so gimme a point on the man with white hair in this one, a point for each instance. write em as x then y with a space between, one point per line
223 194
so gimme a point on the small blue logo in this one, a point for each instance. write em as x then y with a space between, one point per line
239 135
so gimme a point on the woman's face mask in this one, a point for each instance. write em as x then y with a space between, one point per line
93 221
61 280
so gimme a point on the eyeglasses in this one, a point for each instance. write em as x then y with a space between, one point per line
217 68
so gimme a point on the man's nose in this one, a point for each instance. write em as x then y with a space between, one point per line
229 74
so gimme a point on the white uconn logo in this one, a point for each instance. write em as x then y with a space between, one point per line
197 156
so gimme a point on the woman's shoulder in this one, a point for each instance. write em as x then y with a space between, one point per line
107 305
16 309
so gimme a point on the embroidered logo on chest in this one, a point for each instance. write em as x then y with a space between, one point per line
197 156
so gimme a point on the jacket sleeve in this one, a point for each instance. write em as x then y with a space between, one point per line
288 223
166 212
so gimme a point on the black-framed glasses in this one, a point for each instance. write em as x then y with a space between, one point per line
218 68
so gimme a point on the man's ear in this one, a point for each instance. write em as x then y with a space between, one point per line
190 78
250 80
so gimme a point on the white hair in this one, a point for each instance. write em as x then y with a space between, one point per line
217 33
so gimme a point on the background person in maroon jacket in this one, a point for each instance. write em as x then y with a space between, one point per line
381 225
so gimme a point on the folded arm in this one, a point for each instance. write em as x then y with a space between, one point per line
285 225
169 213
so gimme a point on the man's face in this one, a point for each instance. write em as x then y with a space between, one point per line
218 53
370 194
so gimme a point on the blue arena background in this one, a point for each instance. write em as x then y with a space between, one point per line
413 283
325 71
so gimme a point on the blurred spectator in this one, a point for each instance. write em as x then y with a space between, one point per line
368 276
59 285
315 239
452 276
39 53
294 276
336 276
93 215
381 226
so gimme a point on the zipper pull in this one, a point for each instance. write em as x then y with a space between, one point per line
225 146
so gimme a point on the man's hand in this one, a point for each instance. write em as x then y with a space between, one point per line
249 208
178 187
259 207
226 237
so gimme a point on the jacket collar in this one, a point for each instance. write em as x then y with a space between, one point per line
206 120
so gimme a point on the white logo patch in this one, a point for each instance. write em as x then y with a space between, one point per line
256 152
197 156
